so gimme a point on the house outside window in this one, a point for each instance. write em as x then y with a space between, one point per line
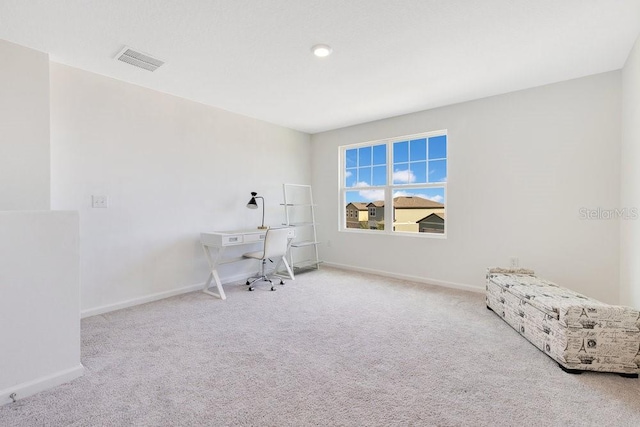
401 181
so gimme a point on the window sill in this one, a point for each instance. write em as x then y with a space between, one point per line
439 236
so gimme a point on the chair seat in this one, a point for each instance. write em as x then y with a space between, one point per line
276 243
256 254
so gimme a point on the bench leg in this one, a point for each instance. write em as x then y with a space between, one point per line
570 371
628 375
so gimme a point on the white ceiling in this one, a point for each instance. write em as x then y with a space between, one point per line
389 57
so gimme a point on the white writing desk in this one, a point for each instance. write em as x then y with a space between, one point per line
214 244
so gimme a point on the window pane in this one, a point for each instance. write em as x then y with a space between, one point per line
419 210
402 174
364 209
418 149
351 158
380 154
438 171
379 175
364 156
351 177
400 152
364 176
438 147
397 167
419 171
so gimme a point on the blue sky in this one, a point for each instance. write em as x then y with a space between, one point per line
416 161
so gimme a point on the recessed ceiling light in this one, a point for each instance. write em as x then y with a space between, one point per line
321 50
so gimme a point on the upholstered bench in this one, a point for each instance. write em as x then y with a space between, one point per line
578 332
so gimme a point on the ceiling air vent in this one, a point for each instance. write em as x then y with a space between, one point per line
138 59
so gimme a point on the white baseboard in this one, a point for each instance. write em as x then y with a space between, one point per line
153 297
166 294
140 300
452 285
41 384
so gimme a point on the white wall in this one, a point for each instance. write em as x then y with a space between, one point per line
521 166
39 301
24 128
171 169
630 179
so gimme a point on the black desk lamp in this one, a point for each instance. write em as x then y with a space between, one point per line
253 204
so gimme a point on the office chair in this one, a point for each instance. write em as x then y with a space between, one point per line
276 243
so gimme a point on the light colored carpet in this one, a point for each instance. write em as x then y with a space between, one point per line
331 348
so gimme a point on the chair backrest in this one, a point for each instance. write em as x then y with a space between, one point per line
275 242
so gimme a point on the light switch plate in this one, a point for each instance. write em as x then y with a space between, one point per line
99 201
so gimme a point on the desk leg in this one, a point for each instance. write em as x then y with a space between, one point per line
213 275
286 264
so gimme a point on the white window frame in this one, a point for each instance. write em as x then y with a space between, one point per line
389 188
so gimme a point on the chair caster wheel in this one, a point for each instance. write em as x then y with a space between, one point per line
273 289
250 289
248 283
282 282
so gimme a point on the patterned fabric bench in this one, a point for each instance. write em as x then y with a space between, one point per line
578 332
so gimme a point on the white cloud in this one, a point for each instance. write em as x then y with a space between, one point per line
443 179
378 194
348 174
372 195
403 176
435 171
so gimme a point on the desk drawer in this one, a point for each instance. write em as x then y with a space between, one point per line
232 239
254 237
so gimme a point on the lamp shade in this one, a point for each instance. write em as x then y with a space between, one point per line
253 203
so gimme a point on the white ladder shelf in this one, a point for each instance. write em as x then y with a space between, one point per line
299 212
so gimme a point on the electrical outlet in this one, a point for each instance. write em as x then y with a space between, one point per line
514 262
99 201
